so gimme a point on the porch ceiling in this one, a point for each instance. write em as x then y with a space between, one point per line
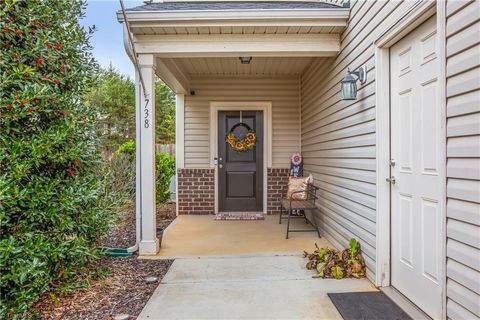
177 72
271 66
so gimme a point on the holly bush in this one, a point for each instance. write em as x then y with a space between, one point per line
53 205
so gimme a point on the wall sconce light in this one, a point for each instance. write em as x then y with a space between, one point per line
349 83
245 60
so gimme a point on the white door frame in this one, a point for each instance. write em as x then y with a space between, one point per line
418 14
266 107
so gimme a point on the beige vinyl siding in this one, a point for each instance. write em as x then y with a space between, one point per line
463 159
283 92
338 137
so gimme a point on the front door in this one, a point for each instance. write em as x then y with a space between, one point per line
240 173
416 196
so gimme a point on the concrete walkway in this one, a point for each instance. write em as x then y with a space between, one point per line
260 287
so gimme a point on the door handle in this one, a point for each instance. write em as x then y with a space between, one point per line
220 166
391 180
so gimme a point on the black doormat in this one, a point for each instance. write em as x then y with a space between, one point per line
367 306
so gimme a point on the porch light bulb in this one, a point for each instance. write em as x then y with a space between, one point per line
245 60
349 87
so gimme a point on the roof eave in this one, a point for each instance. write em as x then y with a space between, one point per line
235 15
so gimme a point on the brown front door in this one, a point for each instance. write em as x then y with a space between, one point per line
240 174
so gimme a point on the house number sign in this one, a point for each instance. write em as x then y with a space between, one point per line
146 119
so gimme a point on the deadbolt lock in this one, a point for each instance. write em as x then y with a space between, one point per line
391 180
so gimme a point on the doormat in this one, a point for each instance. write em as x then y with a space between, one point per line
239 216
367 305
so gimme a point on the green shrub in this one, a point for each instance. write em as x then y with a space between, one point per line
53 203
127 148
164 167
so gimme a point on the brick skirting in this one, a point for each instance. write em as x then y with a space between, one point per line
196 190
277 179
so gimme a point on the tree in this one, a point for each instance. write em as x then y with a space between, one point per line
53 206
114 97
165 113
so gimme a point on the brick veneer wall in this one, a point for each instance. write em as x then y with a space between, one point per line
277 179
196 191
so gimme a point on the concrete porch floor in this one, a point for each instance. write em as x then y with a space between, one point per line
202 236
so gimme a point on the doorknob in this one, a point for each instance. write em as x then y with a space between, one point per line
391 180
220 166
392 162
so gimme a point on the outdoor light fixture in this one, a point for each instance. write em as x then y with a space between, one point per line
245 60
349 83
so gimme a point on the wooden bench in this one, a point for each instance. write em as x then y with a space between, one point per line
291 205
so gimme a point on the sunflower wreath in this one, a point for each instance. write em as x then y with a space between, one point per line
241 144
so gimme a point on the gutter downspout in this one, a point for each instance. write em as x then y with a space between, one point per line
130 50
138 218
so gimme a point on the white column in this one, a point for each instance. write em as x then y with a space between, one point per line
145 111
179 136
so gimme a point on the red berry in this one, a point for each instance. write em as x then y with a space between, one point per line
18 32
6 29
56 81
39 60
62 68
30 110
71 172
58 45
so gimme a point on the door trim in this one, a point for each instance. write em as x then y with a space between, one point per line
418 14
266 107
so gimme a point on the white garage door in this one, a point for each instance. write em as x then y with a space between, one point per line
416 230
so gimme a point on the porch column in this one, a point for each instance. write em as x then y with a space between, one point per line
179 139
145 151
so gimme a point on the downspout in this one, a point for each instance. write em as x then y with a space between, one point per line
131 53
138 218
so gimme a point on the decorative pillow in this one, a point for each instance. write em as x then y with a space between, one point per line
297 184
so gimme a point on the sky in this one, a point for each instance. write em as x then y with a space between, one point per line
107 41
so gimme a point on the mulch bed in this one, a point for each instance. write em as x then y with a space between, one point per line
126 290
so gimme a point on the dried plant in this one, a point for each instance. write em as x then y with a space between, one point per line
330 263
